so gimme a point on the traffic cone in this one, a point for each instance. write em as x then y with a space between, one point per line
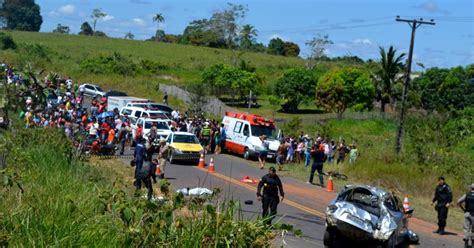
330 186
158 171
201 162
211 168
406 204
247 179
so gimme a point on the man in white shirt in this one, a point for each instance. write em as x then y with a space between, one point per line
93 130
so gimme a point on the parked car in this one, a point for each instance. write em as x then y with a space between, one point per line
93 90
366 214
184 147
134 113
163 129
118 102
115 93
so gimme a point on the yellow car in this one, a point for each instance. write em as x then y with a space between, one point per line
184 147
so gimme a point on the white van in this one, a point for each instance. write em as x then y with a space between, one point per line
243 132
118 102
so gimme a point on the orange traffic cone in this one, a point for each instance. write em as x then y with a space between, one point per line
330 186
201 162
406 204
158 170
211 168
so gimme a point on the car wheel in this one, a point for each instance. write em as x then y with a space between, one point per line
329 238
247 154
392 242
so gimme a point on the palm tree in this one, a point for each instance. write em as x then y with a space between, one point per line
387 75
247 36
158 18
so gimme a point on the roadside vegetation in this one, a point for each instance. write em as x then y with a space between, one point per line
50 198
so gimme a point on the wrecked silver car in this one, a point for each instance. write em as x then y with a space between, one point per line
367 214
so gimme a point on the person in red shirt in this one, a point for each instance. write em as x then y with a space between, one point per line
104 131
139 132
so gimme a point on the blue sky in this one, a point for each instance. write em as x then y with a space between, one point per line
355 27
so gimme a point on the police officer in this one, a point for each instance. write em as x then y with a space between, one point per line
468 208
441 200
146 173
139 156
271 185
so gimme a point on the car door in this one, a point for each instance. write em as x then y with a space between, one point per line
237 132
398 215
246 132
89 90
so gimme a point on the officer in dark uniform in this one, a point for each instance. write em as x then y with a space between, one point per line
145 174
468 208
441 200
271 185
139 156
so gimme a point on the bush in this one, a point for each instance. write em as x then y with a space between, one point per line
6 42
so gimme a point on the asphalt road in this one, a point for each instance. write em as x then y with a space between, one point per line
303 206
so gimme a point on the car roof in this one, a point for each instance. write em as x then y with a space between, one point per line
184 133
154 120
374 190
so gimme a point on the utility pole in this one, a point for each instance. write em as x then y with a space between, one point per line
250 100
414 24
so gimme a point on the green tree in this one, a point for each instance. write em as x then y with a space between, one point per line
86 29
295 87
341 89
247 36
445 89
199 33
291 49
21 15
97 14
276 46
318 46
60 29
223 78
129 36
158 18
387 75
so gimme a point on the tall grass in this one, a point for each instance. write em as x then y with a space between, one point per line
66 203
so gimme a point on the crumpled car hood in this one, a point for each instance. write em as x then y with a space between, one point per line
379 228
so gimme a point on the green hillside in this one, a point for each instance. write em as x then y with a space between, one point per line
182 61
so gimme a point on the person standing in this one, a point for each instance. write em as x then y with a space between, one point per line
319 159
163 157
353 154
468 208
342 150
441 200
146 173
205 136
271 185
165 98
139 156
281 155
262 155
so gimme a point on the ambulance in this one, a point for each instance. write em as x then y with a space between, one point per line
243 132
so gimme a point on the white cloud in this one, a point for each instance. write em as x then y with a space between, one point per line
362 41
274 36
107 18
431 7
139 21
67 9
